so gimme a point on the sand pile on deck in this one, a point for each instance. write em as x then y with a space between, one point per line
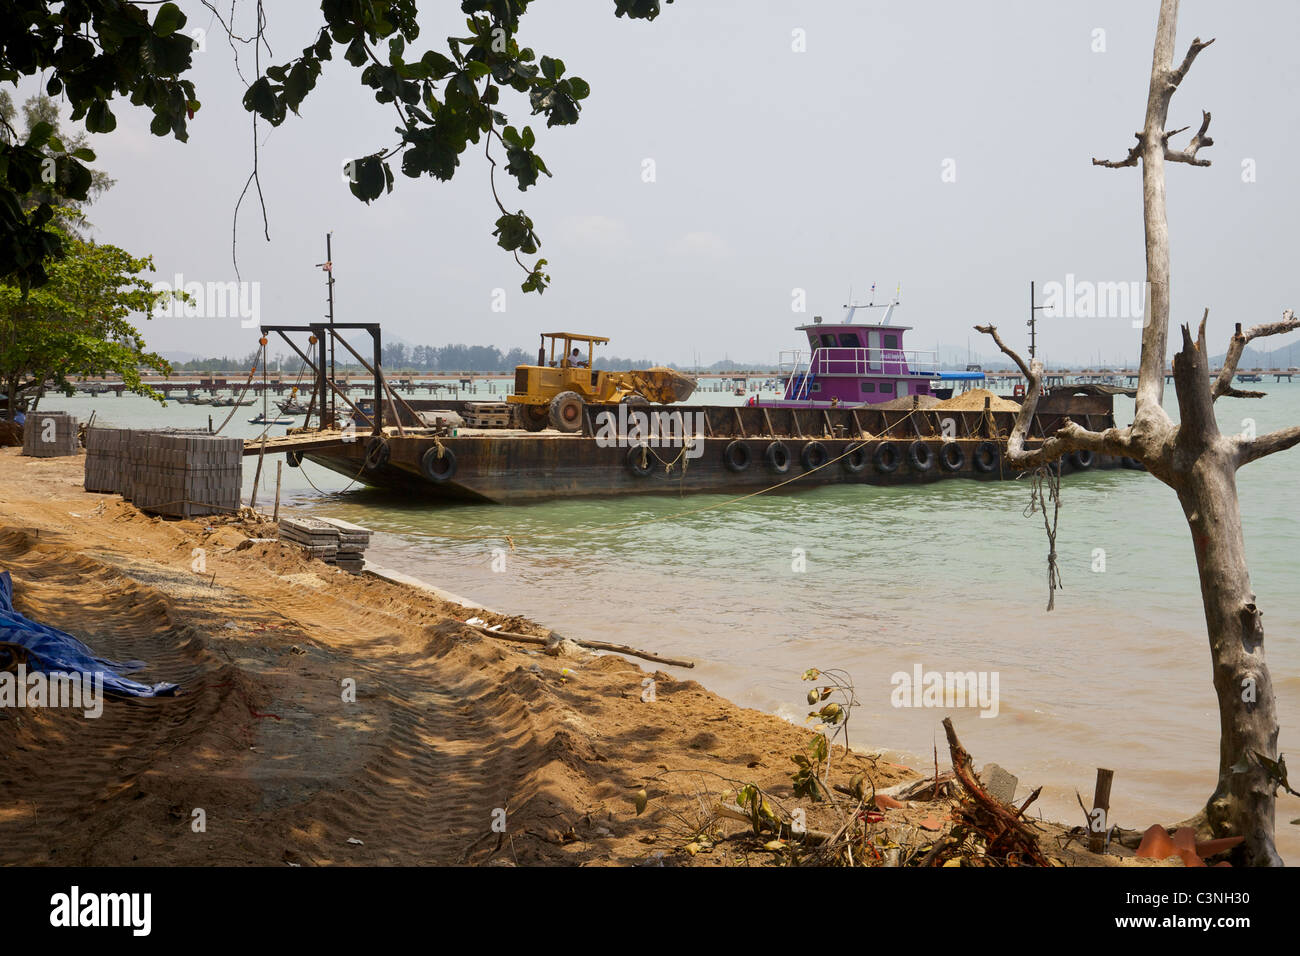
973 401
904 403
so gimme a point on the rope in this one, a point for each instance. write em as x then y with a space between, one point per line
341 490
234 408
1046 486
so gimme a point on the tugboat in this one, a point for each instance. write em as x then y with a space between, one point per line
857 364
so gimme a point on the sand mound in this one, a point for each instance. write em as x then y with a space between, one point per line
973 401
904 403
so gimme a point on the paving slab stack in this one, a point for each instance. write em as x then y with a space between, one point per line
51 435
181 473
332 540
353 541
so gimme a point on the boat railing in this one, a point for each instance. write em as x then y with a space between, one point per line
850 361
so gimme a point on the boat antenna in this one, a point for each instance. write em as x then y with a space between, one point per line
328 267
1033 322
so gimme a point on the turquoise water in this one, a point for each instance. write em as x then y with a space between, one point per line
950 576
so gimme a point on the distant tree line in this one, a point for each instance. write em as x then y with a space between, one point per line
400 357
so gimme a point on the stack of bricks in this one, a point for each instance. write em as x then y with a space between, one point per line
50 435
187 475
103 459
332 540
182 473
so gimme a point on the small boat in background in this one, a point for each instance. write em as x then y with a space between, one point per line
263 420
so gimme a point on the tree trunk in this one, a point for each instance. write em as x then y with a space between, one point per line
1203 465
1243 803
1200 464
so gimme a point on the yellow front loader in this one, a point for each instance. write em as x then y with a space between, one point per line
554 392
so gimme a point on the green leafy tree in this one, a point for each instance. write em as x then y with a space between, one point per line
78 323
446 98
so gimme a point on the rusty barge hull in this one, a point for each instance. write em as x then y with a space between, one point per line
514 466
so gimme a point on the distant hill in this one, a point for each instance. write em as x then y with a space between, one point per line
1284 356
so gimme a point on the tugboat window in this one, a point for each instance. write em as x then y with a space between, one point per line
868 386
849 340
828 340
887 387
891 341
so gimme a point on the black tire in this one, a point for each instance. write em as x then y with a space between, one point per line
566 412
377 453
1132 463
635 454
887 458
737 456
532 418
952 457
635 399
986 457
293 458
920 457
814 455
438 469
777 457
1082 459
855 459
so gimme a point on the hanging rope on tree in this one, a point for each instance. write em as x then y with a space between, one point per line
1046 487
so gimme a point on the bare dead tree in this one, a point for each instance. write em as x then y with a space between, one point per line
1200 464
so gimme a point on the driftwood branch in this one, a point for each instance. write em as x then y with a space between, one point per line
1071 436
591 645
1223 384
1000 823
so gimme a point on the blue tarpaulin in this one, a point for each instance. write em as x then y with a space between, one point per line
55 651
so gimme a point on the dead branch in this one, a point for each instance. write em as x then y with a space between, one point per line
592 645
1130 160
1069 437
1237 345
1249 450
1176 76
1001 826
1188 155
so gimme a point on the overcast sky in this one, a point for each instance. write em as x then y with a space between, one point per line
943 145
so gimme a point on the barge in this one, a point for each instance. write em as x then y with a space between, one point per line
813 436
704 449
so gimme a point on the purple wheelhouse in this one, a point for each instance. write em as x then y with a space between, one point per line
860 363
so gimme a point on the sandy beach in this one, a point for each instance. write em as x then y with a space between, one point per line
448 728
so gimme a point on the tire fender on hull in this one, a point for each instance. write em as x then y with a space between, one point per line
438 468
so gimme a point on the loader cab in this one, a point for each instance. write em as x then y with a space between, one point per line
564 345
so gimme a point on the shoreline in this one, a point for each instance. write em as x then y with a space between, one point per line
447 733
